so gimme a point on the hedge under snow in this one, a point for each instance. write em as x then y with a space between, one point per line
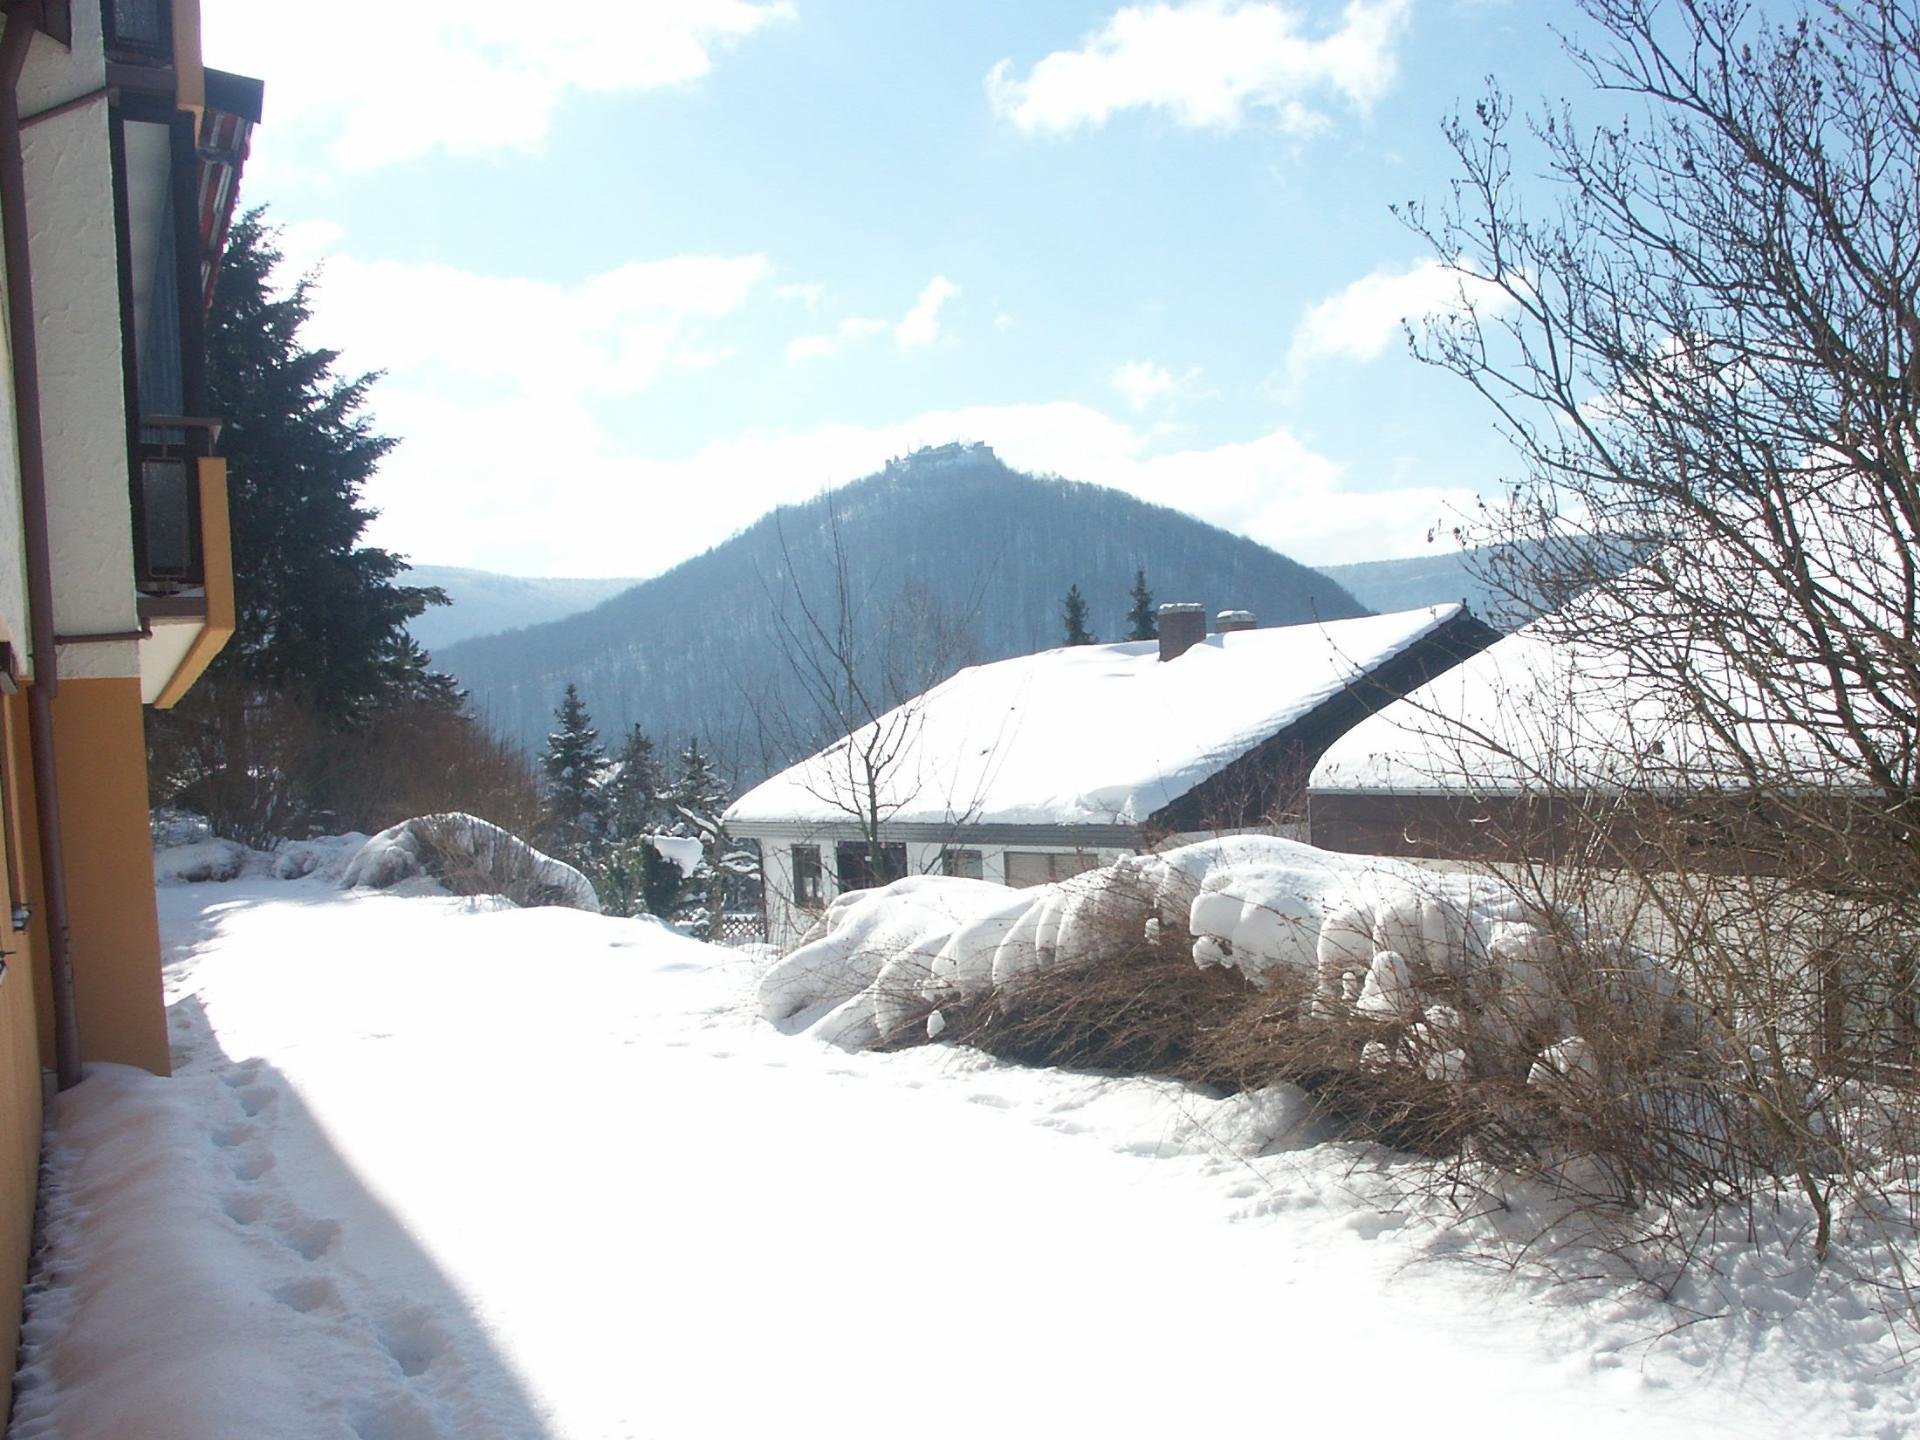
1467 977
440 846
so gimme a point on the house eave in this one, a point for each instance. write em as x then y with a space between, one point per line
1073 837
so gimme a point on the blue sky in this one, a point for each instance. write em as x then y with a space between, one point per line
638 272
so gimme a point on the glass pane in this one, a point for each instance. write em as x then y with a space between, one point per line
1028 867
167 500
806 875
963 864
143 23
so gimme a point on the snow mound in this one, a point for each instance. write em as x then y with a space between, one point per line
870 946
686 852
1461 979
469 856
325 857
199 861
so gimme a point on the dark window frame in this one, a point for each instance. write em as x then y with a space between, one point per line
853 868
163 440
809 877
138 50
963 863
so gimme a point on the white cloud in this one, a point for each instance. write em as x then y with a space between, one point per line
458 491
1208 64
1360 322
611 334
808 295
849 331
1142 384
921 325
918 328
375 82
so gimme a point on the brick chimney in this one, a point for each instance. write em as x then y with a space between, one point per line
1182 626
1228 621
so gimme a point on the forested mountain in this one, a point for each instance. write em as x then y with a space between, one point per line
1502 584
947 557
1435 579
481 602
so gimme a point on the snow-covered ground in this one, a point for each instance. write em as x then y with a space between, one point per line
434 1167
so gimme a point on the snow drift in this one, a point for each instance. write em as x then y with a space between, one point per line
1461 977
470 856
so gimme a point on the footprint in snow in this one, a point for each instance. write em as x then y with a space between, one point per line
251 1167
228 1136
243 1209
256 1098
392 1417
308 1293
241 1074
309 1239
412 1340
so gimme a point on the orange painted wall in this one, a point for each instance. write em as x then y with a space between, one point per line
20 1081
100 760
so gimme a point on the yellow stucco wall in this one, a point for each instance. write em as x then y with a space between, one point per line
19 1051
100 760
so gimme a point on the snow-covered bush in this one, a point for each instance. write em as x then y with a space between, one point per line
1436 1011
469 856
198 861
324 857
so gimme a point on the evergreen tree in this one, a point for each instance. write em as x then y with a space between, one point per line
316 609
630 874
573 765
660 882
636 879
1076 619
320 645
698 799
1142 623
637 790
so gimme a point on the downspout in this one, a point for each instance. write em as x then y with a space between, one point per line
22 20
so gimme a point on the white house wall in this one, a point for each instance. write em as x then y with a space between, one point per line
83 400
787 924
13 536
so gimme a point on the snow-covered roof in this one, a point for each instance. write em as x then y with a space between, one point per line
1527 711
1087 735
1544 711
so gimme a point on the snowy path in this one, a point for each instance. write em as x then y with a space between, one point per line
433 1170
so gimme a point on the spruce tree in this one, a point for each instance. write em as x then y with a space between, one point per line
636 792
698 799
1141 621
630 874
320 644
573 765
1075 616
316 609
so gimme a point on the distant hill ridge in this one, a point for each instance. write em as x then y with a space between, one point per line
482 602
950 556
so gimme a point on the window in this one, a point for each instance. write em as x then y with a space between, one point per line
808 892
1043 867
962 864
140 31
850 858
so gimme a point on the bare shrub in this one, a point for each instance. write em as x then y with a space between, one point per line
264 766
1142 1008
474 859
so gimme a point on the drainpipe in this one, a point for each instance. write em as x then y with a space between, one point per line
22 20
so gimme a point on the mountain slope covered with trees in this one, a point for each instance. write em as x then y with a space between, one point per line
943 559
